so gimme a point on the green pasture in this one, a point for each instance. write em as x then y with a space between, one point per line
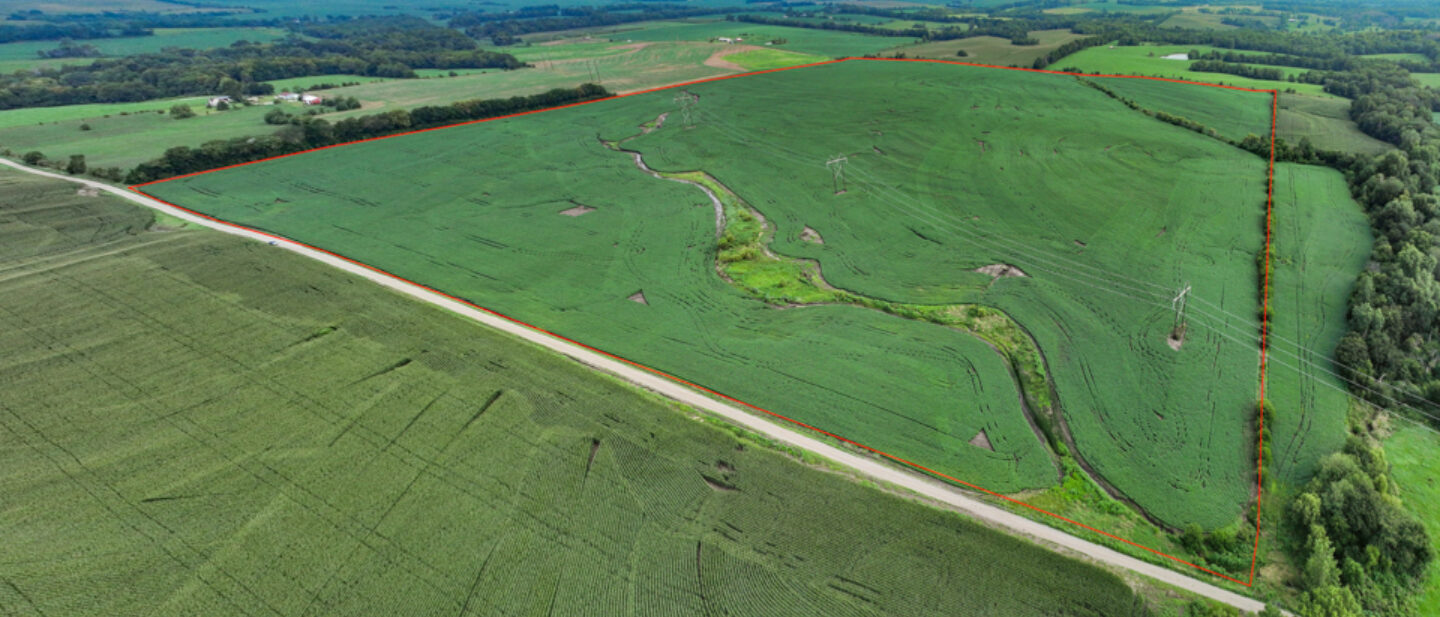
1411 452
1399 57
1427 79
831 43
197 424
305 83
949 168
1326 122
20 55
636 68
991 49
127 140
1196 20
1150 60
46 115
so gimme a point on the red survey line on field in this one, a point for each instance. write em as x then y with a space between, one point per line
1265 300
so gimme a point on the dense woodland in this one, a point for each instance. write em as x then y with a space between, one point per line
383 47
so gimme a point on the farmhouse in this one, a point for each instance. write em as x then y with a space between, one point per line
287 96
310 99
217 100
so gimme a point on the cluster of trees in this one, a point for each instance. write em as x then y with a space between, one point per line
1393 336
312 132
386 47
52 32
71 49
1243 70
1322 63
504 29
1363 553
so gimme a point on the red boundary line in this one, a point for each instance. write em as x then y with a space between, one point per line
1264 325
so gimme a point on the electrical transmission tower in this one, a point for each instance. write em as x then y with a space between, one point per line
836 165
1178 305
687 100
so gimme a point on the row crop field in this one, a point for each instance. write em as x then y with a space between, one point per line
199 425
949 169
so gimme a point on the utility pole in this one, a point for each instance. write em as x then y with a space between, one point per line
687 100
836 165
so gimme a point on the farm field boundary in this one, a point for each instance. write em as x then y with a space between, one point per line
1264 326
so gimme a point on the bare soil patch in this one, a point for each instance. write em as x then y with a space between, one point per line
810 235
717 59
981 440
1176 338
578 210
1000 270
639 296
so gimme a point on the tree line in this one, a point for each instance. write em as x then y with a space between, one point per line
311 132
382 47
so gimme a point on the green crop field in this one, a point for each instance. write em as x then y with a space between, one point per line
1411 453
1150 60
830 43
1321 239
196 424
950 168
992 50
1206 105
1325 122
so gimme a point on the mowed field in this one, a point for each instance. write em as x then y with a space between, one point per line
1150 60
831 43
991 49
195 424
950 168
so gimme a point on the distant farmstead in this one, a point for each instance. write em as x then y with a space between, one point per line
311 99
287 96
216 101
